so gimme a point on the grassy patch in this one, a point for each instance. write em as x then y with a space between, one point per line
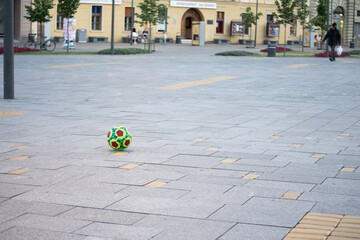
236 53
124 51
354 52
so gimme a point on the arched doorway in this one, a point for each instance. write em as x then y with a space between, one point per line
338 17
186 22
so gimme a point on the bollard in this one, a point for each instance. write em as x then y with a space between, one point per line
271 50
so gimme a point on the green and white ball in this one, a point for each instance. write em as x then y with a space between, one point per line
119 138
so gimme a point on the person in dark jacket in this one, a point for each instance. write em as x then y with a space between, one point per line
334 38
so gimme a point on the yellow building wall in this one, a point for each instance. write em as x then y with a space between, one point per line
232 13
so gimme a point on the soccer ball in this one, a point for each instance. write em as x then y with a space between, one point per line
119 138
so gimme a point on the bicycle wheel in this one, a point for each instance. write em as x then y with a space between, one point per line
30 44
50 45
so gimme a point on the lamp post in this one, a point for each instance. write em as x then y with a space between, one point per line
9 49
112 27
257 3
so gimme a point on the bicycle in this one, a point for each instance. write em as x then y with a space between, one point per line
48 45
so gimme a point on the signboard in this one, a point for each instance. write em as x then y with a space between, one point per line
118 2
273 30
237 29
192 4
72 24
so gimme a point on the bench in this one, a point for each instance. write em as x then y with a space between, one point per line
270 41
245 41
293 42
221 41
98 39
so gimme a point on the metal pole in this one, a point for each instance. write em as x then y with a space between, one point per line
9 49
257 3
112 27
327 27
132 21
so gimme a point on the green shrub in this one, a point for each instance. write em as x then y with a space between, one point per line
123 51
235 53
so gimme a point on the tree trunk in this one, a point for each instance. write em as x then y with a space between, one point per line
149 47
250 36
284 40
303 37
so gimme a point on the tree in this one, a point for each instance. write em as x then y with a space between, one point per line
250 18
68 8
320 19
285 14
302 15
151 14
38 11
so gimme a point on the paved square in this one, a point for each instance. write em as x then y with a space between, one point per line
222 148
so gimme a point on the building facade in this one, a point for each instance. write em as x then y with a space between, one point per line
221 17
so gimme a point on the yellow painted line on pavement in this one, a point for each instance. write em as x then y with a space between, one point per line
197 83
10 113
70 65
297 65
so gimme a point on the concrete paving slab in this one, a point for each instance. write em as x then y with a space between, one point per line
249 231
264 211
185 228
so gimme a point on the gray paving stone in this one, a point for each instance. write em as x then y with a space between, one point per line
153 192
49 223
249 168
214 179
291 178
265 211
333 203
286 185
194 161
185 228
8 190
119 231
345 160
84 200
17 208
317 170
198 187
339 186
100 215
259 232
164 206
21 233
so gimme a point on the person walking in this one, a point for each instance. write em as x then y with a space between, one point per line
334 38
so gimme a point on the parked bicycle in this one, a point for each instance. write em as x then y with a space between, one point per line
48 45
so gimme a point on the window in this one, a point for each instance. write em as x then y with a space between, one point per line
96 18
269 18
59 19
246 27
128 18
220 22
293 28
162 25
358 13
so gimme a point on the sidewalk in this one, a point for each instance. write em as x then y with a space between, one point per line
222 147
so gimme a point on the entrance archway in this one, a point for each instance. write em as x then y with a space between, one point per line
186 22
338 17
